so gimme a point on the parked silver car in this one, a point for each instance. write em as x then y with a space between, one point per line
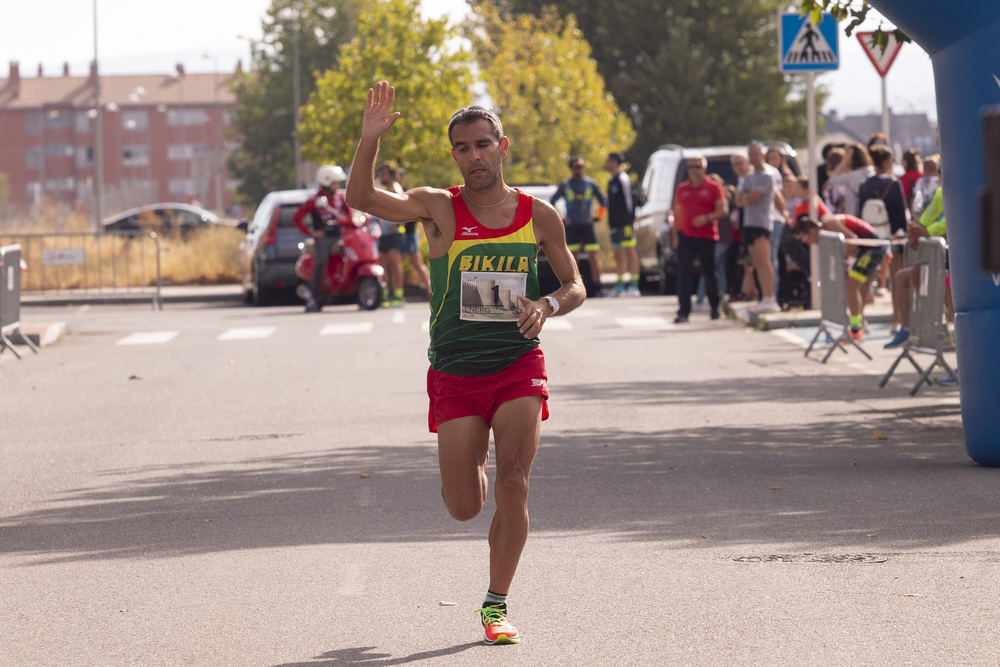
271 247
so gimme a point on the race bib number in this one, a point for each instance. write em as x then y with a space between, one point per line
492 296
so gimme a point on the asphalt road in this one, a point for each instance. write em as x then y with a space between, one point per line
223 485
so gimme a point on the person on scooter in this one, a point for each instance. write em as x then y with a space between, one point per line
328 209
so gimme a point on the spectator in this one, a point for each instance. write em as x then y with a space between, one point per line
757 200
824 168
392 243
621 220
911 173
741 166
931 223
326 208
854 169
927 185
411 246
886 187
877 139
725 227
833 195
699 204
862 271
579 193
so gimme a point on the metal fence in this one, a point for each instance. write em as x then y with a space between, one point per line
926 313
91 264
10 299
834 321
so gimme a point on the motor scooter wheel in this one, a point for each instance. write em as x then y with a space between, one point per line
369 293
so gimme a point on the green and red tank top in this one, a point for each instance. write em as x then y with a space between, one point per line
474 287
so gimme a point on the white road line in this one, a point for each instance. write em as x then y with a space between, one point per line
793 338
399 317
641 322
557 324
350 328
247 333
148 338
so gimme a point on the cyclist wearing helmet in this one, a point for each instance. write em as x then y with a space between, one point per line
327 208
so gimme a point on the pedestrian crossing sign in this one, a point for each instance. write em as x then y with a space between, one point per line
808 47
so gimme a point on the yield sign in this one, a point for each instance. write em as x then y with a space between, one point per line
881 59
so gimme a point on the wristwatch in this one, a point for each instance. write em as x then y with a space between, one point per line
553 304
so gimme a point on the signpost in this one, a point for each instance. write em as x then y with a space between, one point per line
882 60
809 48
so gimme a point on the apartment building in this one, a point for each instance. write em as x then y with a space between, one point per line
163 138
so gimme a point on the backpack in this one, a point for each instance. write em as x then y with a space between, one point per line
874 212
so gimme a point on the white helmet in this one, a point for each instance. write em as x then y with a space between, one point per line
329 174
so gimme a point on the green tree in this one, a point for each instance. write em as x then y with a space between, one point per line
432 79
263 120
691 72
551 99
854 13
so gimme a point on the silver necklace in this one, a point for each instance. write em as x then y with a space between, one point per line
466 193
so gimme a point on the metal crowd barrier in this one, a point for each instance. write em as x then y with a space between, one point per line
834 321
91 265
10 299
926 314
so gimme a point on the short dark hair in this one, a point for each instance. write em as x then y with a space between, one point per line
617 157
573 159
469 115
805 222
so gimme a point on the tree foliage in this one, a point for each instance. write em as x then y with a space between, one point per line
431 77
854 14
693 72
552 101
264 118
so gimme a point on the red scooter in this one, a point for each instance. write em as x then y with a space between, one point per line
353 268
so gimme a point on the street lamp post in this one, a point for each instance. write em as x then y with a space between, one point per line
98 135
295 16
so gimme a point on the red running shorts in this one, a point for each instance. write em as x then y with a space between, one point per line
454 396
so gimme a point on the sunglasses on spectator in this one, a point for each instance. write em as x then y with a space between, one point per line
696 166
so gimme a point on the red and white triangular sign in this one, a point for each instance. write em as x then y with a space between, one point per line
881 59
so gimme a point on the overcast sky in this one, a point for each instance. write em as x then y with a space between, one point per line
203 35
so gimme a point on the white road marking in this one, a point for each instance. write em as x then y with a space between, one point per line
399 317
557 324
247 333
641 322
791 337
349 328
148 338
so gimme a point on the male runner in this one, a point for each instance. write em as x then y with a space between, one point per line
486 369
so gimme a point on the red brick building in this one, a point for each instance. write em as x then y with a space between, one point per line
163 137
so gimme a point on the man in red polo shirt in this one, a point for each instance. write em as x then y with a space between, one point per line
699 204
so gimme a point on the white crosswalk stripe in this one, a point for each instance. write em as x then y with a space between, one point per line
247 333
148 338
557 324
641 322
347 328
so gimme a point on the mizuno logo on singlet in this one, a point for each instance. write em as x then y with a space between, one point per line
512 263
469 231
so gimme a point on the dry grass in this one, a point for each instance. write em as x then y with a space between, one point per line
209 255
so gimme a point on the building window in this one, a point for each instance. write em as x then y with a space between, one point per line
135 121
59 150
58 119
33 158
33 123
34 192
187 117
135 156
185 151
84 156
62 184
182 186
83 121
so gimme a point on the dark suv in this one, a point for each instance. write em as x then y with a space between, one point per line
665 170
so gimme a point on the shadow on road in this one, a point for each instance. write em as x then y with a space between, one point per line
363 655
819 484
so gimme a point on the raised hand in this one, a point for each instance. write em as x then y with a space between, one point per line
379 116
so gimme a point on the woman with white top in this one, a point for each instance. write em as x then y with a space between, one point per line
854 169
